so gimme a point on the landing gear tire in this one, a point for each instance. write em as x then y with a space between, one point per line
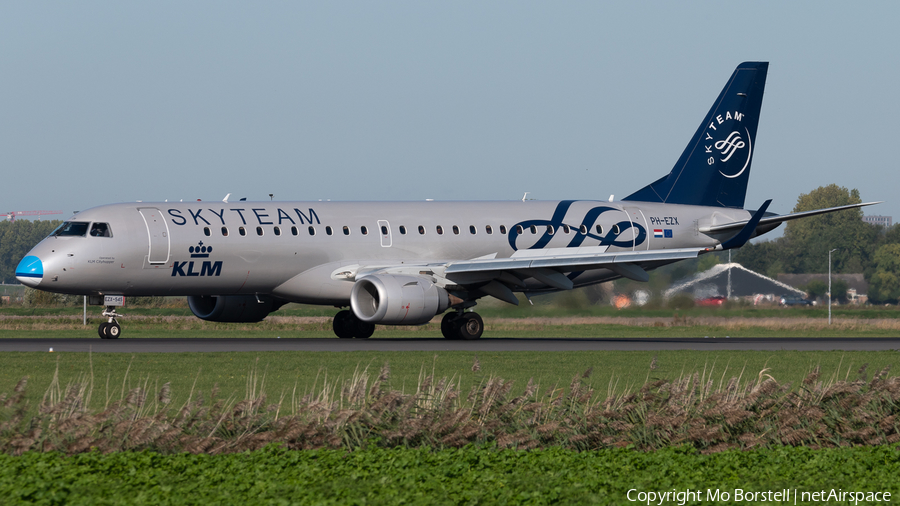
113 330
347 325
471 327
344 324
103 330
462 326
364 330
450 325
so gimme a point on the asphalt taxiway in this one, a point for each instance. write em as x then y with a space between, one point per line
126 345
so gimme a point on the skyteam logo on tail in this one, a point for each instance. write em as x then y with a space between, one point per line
728 141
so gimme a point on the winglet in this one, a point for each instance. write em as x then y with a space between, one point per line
744 235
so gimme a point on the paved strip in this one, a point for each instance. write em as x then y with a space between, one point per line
438 344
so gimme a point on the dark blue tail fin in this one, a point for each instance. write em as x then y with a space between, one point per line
715 166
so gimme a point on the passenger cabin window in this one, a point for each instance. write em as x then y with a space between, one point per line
519 229
566 229
488 229
421 230
616 230
455 230
364 230
402 230
472 229
583 229
599 229
503 229
71 228
384 230
440 230
206 231
312 230
533 229
328 230
294 231
100 230
259 231
224 231
346 230
277 230
242 231
550 230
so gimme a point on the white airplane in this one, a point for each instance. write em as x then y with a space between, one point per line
403 263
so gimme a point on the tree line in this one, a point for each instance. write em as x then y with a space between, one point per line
860 247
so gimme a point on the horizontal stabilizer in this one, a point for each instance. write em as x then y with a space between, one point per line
769 220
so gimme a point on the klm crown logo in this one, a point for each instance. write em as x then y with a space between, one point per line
200 251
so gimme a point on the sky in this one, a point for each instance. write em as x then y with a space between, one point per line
107 102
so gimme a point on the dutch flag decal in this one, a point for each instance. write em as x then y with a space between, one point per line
657 233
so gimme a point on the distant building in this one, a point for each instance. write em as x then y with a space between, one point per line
857 287
884 221
855 282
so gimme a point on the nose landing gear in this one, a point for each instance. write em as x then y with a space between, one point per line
110 329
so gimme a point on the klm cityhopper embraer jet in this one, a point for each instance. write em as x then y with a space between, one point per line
403 263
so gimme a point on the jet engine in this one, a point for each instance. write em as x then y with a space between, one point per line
397 300
233 308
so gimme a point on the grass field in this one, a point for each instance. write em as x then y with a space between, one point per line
114 374
543 308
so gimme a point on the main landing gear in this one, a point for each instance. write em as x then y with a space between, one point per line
454 325
110 329
347 325
460 325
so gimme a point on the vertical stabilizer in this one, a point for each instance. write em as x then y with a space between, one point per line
714 168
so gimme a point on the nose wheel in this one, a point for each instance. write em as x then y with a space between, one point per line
110 329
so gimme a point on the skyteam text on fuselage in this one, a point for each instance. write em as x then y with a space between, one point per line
403 263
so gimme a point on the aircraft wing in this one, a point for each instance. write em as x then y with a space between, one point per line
546 265
782 218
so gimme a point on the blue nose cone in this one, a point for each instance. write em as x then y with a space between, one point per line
30 271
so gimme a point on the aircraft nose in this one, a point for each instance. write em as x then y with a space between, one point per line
30 271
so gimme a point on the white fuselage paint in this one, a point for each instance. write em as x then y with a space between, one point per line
182 248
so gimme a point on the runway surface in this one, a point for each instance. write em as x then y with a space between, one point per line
437 344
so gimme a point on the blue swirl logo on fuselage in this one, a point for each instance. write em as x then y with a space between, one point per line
556 222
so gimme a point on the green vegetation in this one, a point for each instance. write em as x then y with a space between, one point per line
470 475
717 407
559 305
114 374
860 247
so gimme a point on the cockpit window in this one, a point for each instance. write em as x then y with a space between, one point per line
100 230
71 228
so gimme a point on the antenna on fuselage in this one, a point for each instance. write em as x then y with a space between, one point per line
523 196
612 198
225 200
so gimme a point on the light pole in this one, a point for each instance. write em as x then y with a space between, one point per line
829 285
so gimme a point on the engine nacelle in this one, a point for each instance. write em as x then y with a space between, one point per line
233 308
397 300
